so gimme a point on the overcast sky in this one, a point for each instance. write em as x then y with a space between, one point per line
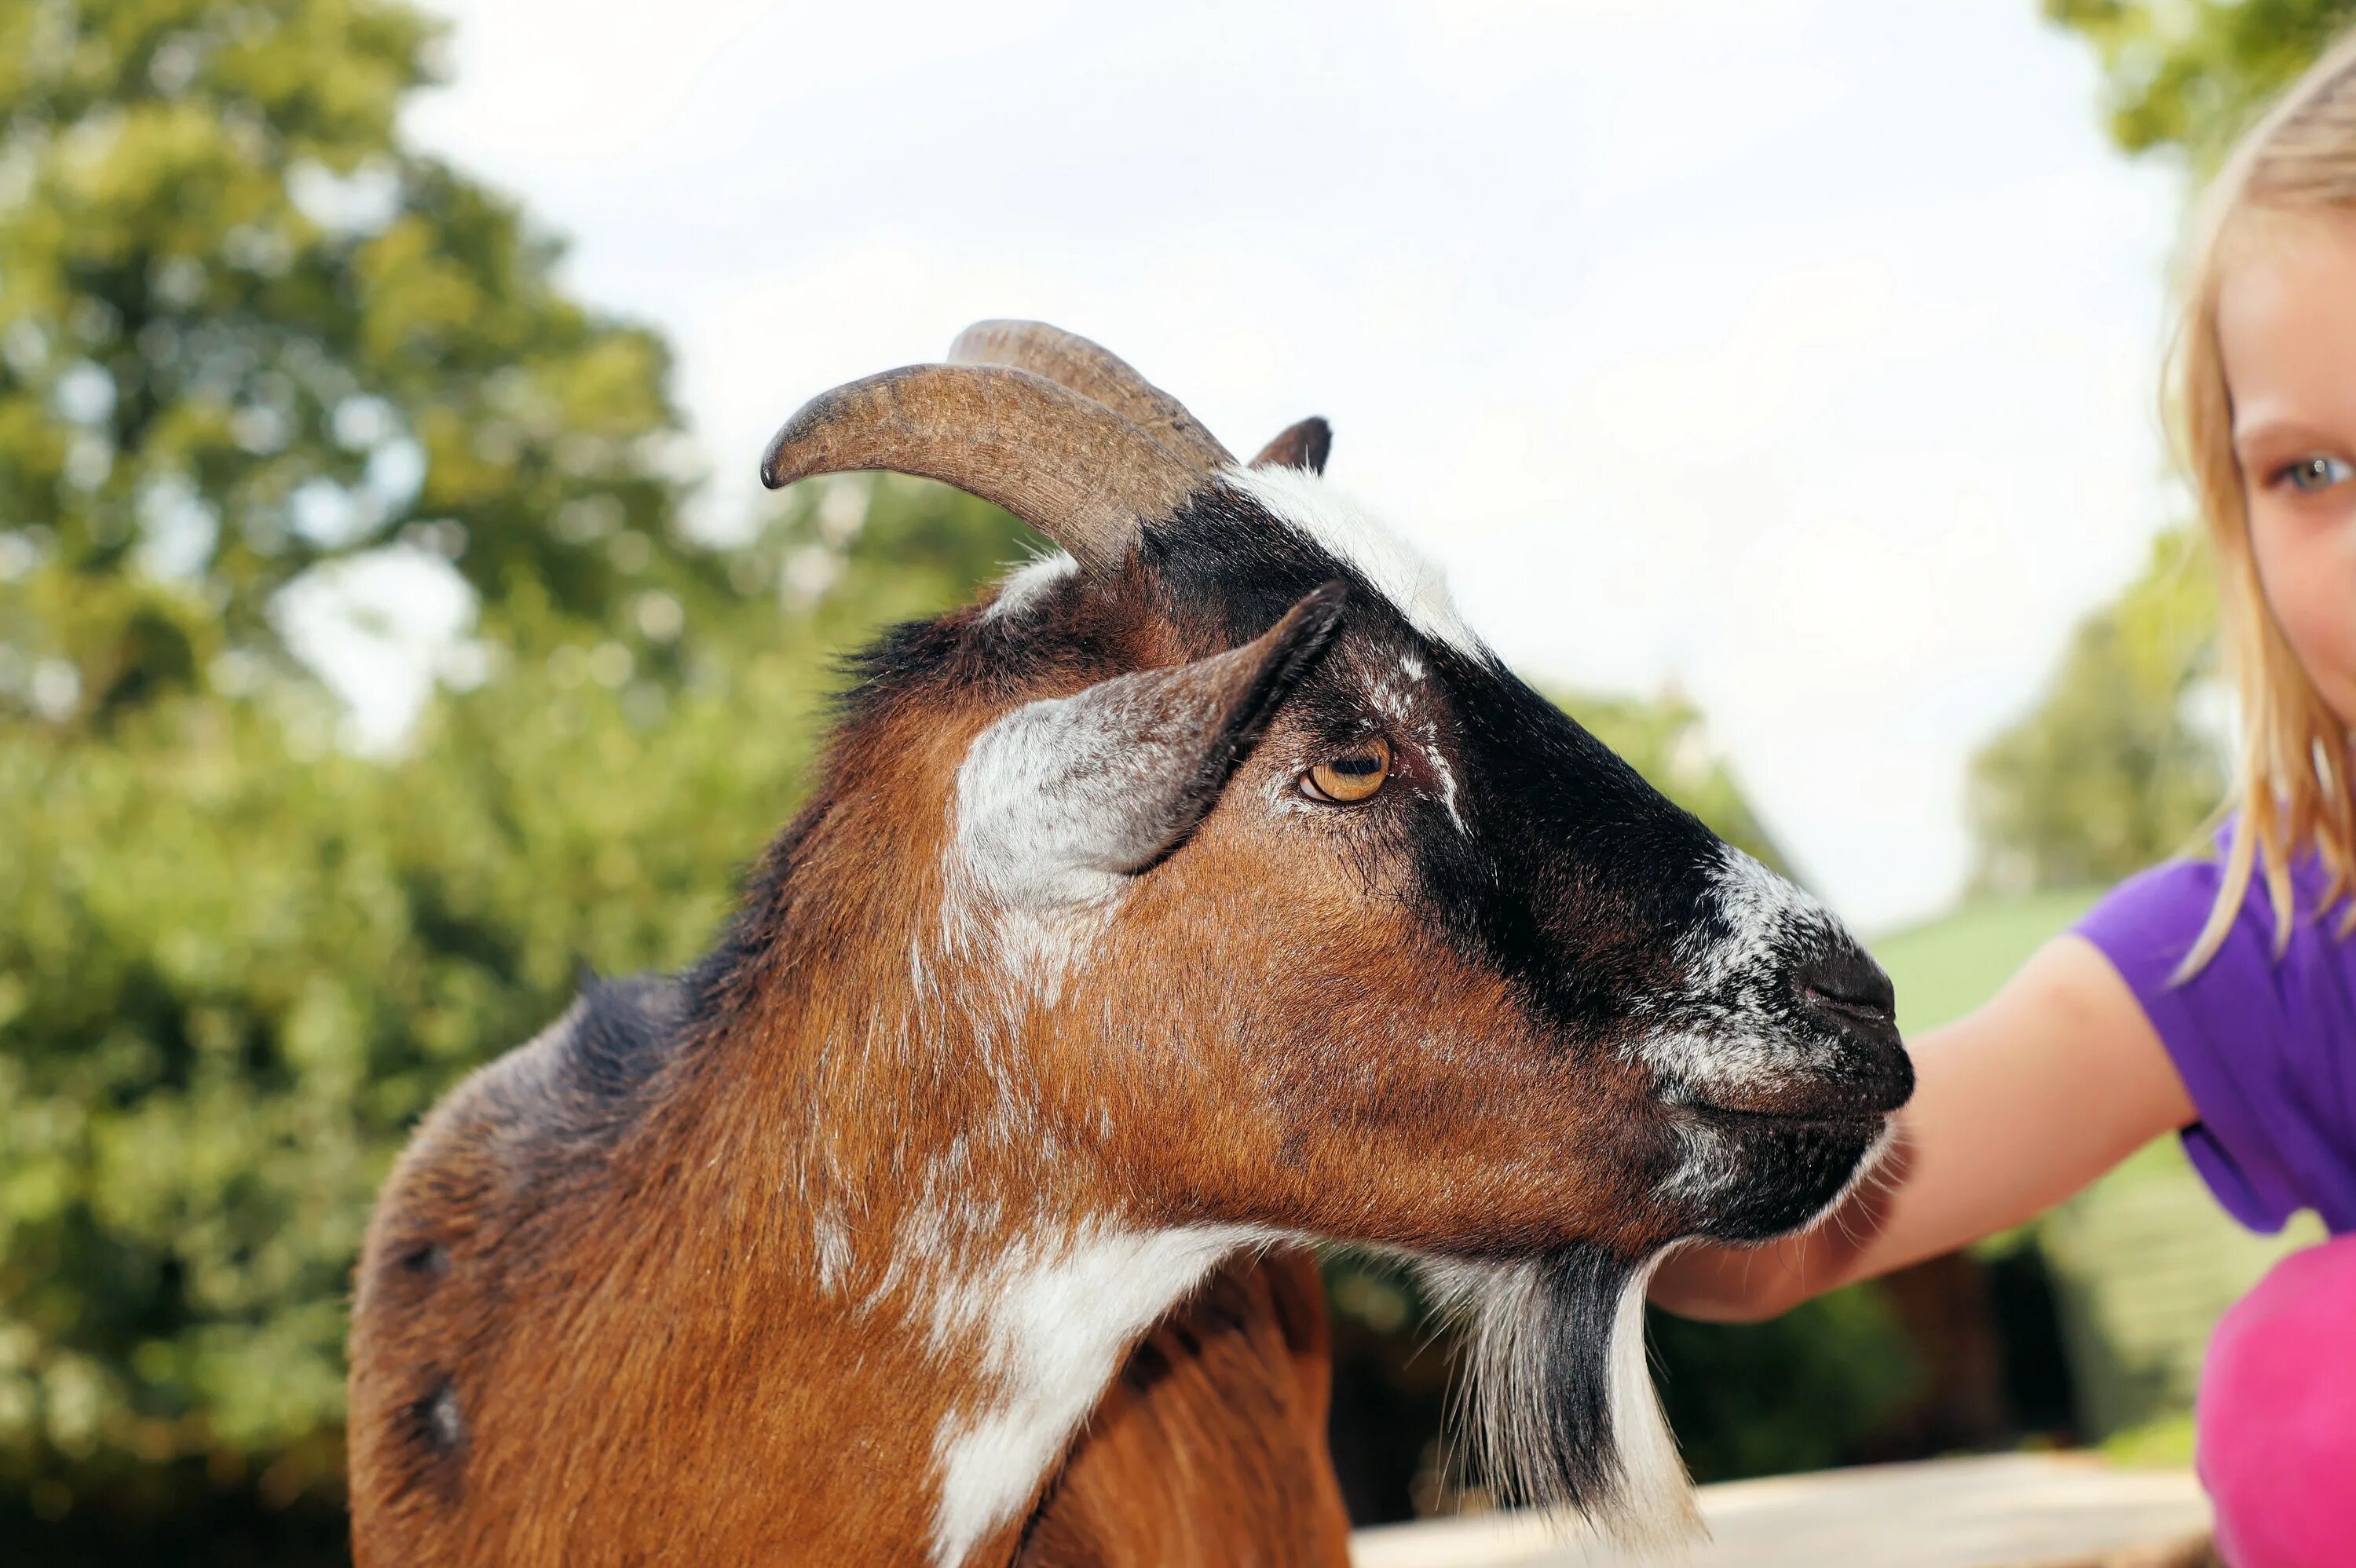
1797 352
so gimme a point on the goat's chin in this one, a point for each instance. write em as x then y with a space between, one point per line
1771 1176
1558 1406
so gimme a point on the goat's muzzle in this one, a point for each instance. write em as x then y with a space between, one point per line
1843 992
1851 1065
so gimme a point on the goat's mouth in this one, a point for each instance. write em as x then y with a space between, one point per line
1738 1119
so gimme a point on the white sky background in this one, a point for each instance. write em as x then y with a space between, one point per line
1799 352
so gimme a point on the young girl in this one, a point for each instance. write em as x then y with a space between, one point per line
2216 998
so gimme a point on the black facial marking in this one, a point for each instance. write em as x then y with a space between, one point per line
1303 635
1576 876
1226 569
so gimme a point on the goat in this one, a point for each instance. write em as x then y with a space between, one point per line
1208 888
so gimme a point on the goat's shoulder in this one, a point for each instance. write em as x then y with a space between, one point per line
509 1140
595 1066
463 1228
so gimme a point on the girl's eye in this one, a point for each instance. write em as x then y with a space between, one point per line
1350 777
2312 476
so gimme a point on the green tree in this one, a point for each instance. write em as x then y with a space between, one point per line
2190 74
2119 761
244 330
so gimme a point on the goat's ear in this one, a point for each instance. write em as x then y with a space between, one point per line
1060 799
1303 445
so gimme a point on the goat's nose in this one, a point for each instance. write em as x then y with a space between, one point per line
1846 993
1844 987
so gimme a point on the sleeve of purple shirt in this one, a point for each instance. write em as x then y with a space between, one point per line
2264 1044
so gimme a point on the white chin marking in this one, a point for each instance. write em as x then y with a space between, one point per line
1349 533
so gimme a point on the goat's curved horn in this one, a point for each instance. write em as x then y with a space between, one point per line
1071 360
1063 463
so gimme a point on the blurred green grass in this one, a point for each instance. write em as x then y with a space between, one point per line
1946 966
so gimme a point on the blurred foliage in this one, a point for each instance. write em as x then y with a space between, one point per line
245 330
2122 758
1946 966
1799 1392
2191 75
2120 762
2164 1443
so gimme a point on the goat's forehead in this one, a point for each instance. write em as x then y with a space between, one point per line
1357 540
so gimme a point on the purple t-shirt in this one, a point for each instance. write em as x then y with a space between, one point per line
2267 1046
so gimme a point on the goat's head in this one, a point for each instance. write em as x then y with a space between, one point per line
1279 904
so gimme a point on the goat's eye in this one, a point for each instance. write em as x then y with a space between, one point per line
1350 777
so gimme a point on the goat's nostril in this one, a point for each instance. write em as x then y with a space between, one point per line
1844 980
1856 1007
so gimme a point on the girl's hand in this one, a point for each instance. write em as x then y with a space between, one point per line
2016 1106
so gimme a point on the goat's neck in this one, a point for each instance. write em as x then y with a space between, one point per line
935 1205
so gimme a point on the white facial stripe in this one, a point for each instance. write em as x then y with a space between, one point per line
1758 907
1353 536
1057 1316
1397 699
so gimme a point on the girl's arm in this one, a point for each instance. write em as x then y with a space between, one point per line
2016 1106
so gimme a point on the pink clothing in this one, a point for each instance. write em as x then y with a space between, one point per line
2275 1421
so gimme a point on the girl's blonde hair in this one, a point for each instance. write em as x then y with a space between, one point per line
2291 781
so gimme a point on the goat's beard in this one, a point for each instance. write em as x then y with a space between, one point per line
1559 1407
